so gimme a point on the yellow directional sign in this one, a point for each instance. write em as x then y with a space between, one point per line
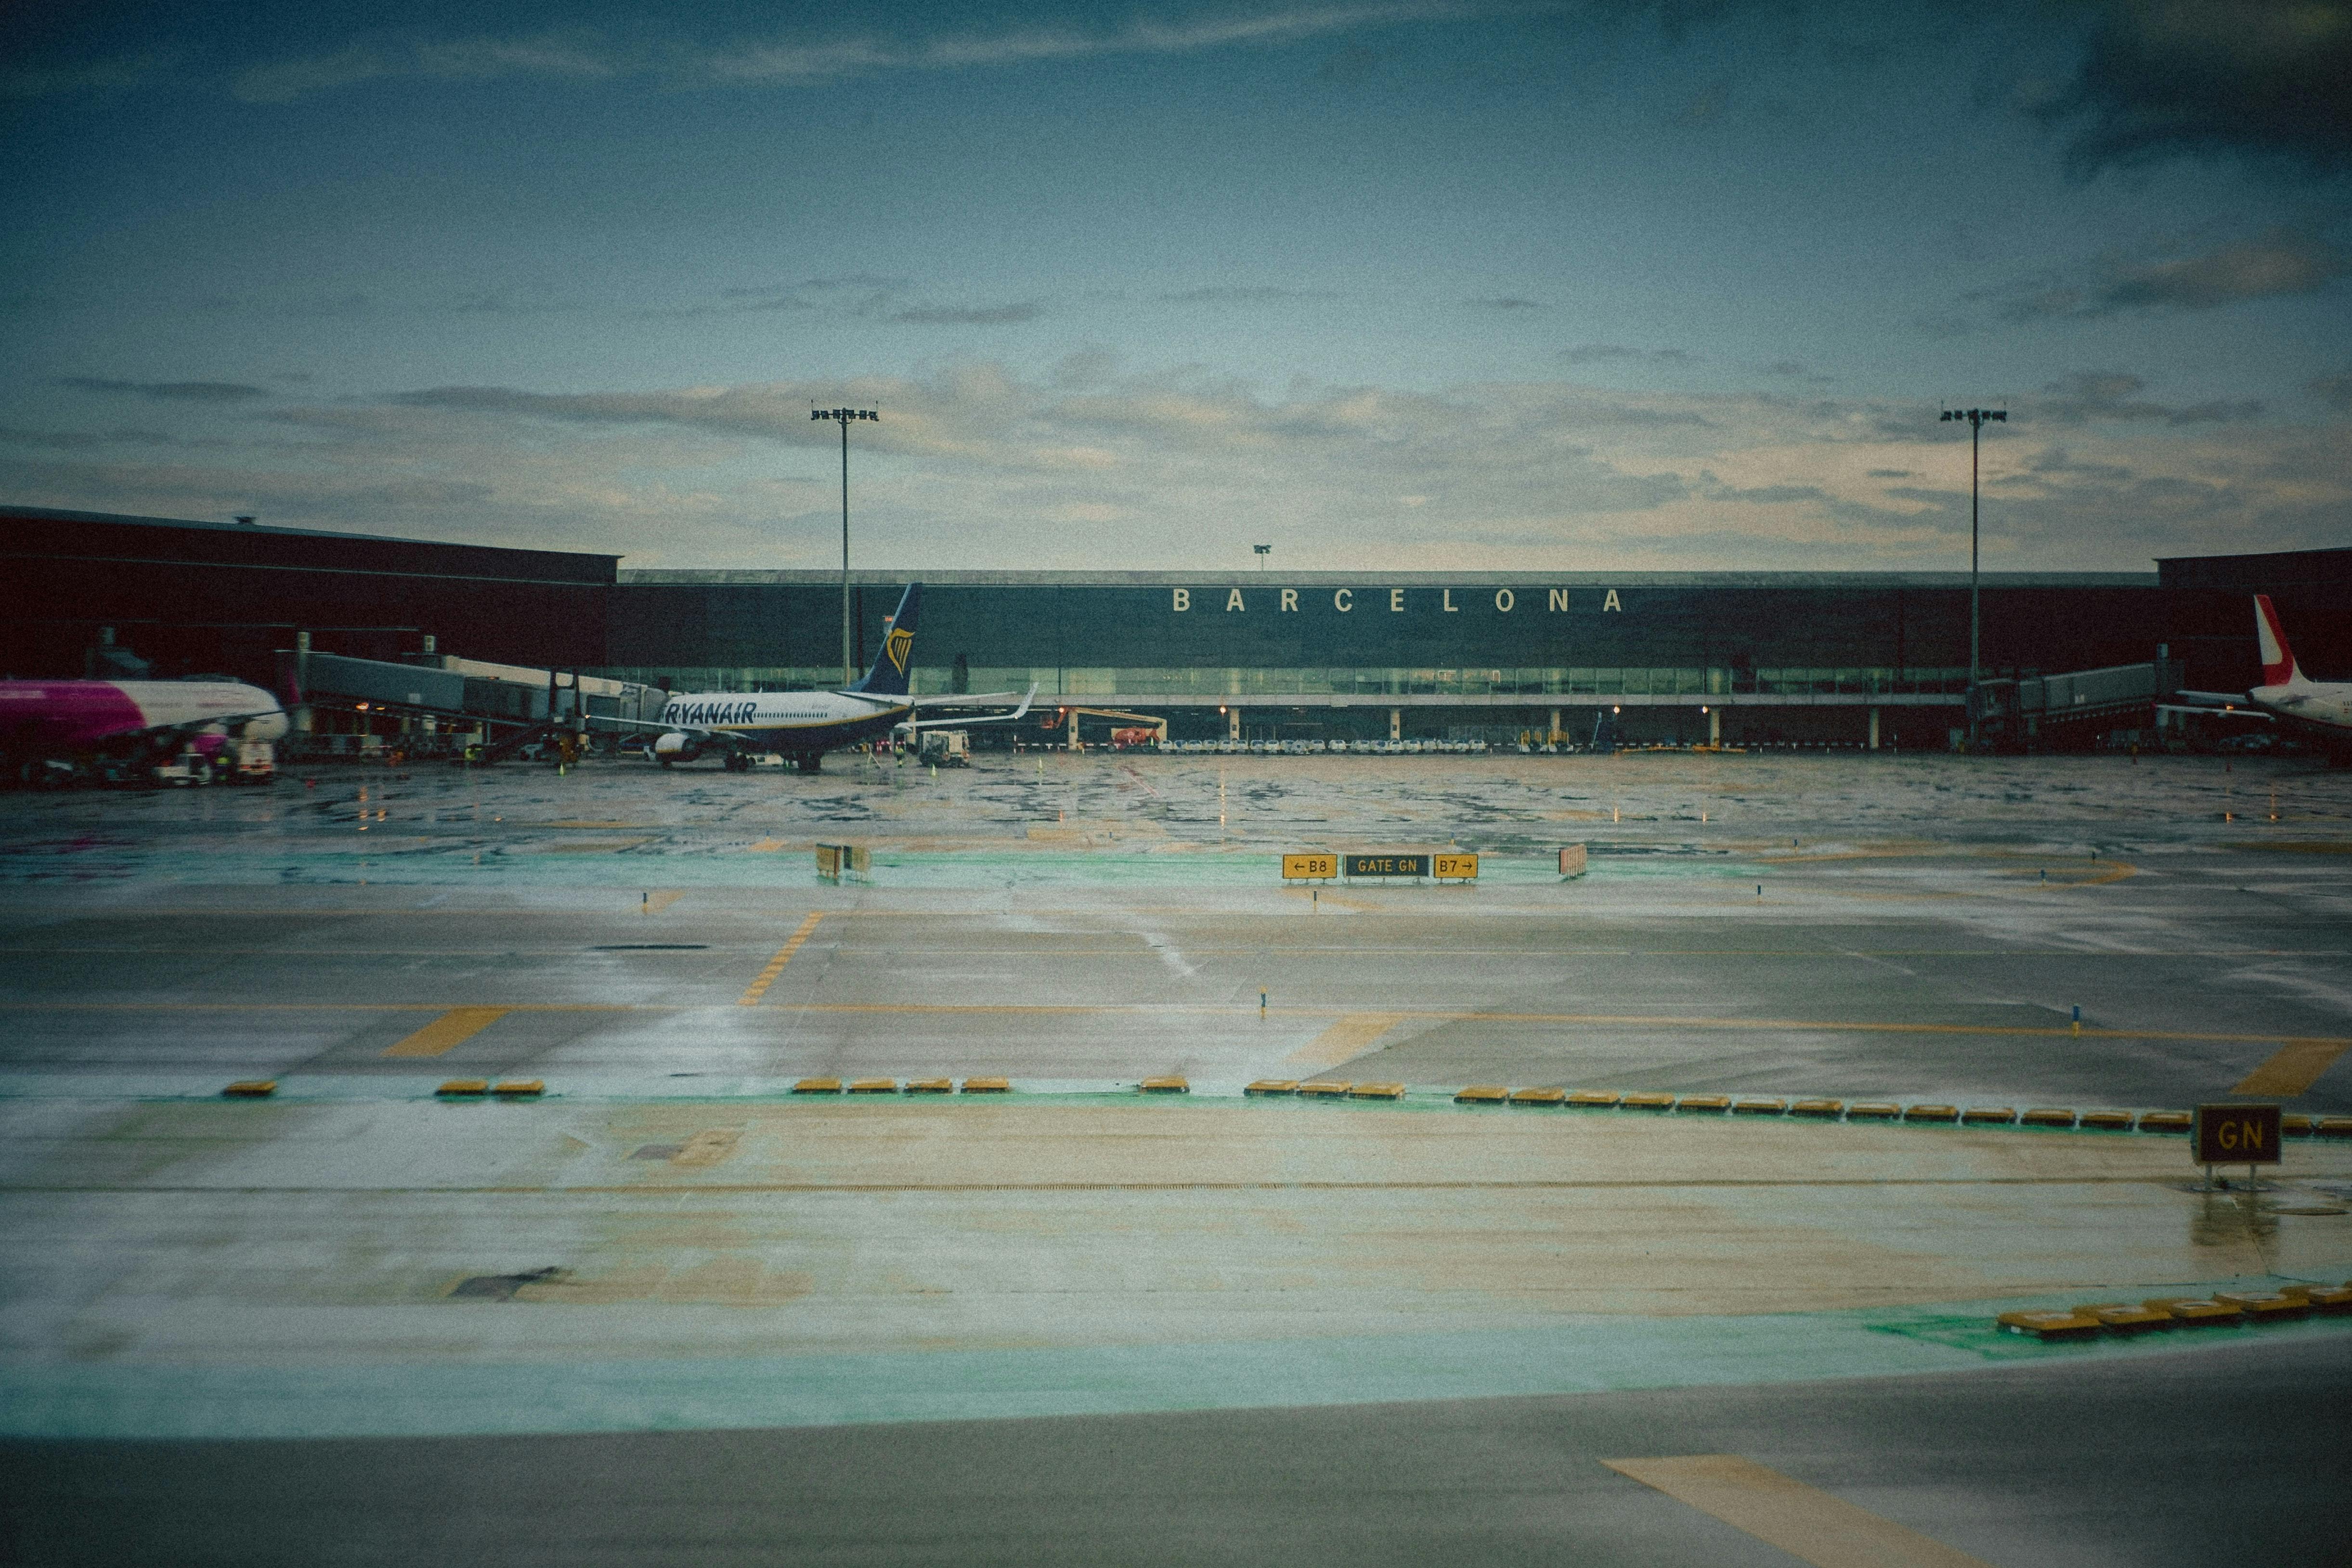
1309 867
1461 867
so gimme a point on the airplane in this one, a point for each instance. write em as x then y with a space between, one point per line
2285 692
805 726
53 731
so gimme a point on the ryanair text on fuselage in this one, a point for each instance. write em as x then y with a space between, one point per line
803 725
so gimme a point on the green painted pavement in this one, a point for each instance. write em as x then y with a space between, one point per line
1580 1355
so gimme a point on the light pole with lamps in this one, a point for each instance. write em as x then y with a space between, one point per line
1977 418
1262 551
848 654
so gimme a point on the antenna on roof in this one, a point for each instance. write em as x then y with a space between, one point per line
244 519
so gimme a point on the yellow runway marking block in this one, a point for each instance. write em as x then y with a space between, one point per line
2293 1069
659 899
1350 1036
1807 1523
520 1087
758 987
451 1029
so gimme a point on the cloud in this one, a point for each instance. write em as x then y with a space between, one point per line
1602 353
168 391
788 62
795 63
84 440
571 57
967 315
1506 302
2282 263
1094 467
1244 294
2333 391
2116 395
2163 79
25 81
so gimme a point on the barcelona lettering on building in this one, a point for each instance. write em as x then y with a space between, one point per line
1399 600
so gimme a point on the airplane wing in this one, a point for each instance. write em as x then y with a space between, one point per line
2218 710
969 699
1026 698
2229 704
198 726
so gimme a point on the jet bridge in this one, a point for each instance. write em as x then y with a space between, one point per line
2017 710
441 702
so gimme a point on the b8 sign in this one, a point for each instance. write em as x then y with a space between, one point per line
2236 1135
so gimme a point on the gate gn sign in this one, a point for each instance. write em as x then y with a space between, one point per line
2237 1135
1387 865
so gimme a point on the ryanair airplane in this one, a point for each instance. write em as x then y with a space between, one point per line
805 726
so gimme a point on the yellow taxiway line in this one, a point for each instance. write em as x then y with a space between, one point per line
758 987
1808 1524
451 1029
2294 1069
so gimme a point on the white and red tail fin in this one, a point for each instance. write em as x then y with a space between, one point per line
2279 668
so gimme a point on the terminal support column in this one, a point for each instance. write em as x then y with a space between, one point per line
1554 737
1232 723
1714 727
1874 729
1396 724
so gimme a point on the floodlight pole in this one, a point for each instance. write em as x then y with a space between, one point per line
1262 551
1976 418
848 651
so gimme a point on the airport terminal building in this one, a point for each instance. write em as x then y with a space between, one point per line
1857 658
1677 656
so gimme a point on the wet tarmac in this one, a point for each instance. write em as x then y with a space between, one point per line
668 1238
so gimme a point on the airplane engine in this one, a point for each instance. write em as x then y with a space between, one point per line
677 746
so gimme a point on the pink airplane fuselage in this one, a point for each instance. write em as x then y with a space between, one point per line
84 715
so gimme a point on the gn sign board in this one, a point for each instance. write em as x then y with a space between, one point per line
2236 1135
1444 867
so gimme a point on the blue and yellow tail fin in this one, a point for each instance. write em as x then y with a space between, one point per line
894 660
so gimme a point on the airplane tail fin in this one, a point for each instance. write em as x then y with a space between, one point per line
2279 668
288 687
894 660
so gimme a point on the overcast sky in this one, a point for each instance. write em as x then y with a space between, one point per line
1381 283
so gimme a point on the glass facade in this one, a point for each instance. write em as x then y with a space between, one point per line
1760 636
1570 681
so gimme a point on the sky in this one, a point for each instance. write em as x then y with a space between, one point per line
1383 284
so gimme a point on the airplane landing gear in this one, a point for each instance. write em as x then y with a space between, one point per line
809 762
